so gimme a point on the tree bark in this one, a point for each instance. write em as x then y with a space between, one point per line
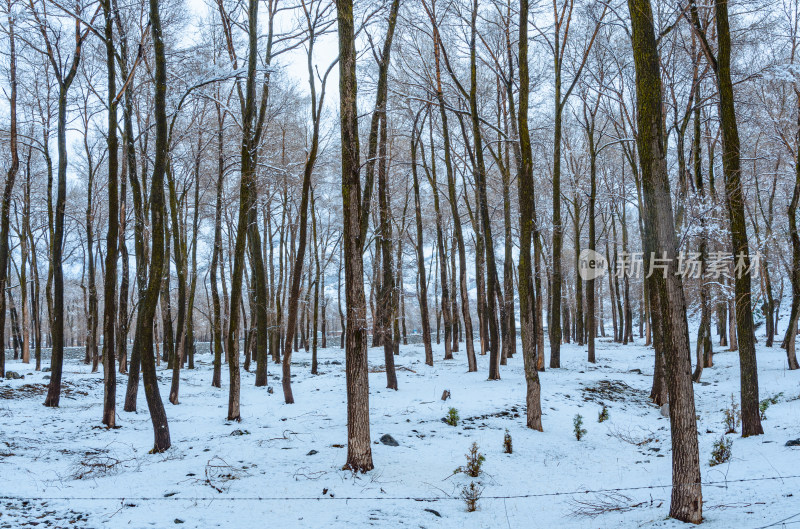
421 277
491 266
216 380
751 417
686 503
9 188
147 306
526 221
112 236
359 447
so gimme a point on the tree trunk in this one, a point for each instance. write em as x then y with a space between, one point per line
147 306
139 210
790 338
216 380
441 255
386 293
451 187
57 247
8 190
590 283
491 268
526 221
179 352
686 503
421 277
112 236
317 277
359 447
579 321
751 417
704 344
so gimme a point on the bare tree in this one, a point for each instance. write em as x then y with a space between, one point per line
687 501
359 448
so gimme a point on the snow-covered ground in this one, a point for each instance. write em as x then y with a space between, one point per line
281 466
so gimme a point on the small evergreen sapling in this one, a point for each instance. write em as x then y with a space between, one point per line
452 417
577 422
733 417
474 462
471 494
603 416
722 451
507 448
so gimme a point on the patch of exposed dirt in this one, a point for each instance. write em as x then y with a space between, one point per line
511 413
68 390
614 391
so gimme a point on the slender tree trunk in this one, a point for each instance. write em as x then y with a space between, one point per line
57 244
456 335
139 211
686 503
510 323
147 306
216 380
9 188
193 273
342 324
92 319
421 277
385 309
441 255
451 186
167 334
359 447
317 277
122 312
790 339
558 230
297 268
179 353
112 236
591 288
751 417
526 221
491 267
579 331
704 344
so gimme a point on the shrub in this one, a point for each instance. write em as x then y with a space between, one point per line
452 417
762 408
722 451
733 417
577 422
471 494
766 403
507 448
474 462
603 416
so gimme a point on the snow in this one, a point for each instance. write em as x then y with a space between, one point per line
61 468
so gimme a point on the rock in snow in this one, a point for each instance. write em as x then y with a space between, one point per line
388 440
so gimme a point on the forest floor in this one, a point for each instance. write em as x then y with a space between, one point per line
281 466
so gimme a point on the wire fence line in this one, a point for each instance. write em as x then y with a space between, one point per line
722 483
